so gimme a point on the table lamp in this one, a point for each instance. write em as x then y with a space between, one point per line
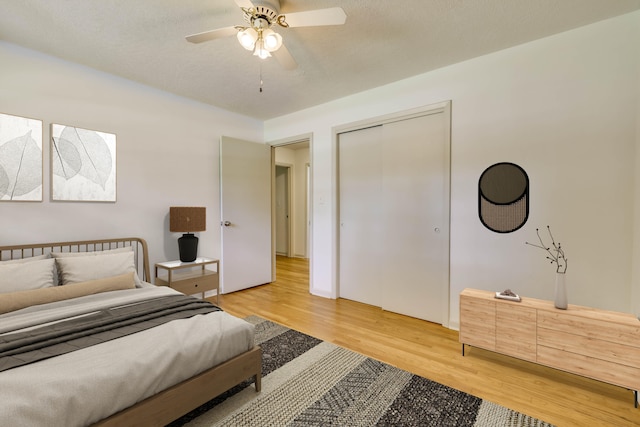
187 220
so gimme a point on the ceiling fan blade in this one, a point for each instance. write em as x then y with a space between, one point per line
285 59
212 35
244 3
312 18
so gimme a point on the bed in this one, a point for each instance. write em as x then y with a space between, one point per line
147 372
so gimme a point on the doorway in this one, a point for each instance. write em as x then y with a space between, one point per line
292 201
283 209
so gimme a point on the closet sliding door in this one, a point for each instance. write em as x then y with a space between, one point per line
415 195
394 216
361 212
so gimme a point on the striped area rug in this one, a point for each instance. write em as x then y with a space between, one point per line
309 382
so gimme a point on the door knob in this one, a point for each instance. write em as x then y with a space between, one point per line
226 223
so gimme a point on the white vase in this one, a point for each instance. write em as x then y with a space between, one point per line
561 291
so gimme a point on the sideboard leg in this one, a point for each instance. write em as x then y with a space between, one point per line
463 352
635 398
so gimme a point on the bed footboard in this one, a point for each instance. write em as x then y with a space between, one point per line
171 404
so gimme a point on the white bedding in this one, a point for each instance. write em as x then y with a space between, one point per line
88 385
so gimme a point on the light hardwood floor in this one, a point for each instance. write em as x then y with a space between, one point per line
434 352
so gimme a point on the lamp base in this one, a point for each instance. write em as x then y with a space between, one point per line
188 246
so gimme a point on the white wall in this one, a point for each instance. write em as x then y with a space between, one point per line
167 153
565 108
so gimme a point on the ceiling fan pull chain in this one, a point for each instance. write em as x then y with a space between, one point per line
261 77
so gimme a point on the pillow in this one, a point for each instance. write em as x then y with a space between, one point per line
36 258
21 276
92 253
58 279
75 269
17 300
23 260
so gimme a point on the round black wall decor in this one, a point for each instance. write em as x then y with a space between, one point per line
503 197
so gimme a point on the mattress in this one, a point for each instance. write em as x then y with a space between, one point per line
90 384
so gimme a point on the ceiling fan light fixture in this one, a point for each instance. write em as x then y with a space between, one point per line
272 40
260 51
257 35
248 38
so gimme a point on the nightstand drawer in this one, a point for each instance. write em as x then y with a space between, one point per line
194 285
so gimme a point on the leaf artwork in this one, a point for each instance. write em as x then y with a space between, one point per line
81 153
20 158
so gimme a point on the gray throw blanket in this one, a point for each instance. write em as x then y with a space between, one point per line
22 348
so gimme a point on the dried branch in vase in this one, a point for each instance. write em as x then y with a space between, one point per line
556 256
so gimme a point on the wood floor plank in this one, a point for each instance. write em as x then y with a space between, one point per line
432 351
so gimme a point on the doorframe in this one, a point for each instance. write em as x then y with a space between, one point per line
443 107
307 213
290 215
281 143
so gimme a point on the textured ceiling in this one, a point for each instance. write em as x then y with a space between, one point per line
381 42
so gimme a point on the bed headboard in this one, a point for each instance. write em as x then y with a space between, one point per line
138 245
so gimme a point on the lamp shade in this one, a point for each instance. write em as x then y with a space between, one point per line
272 40
184 219
247 38
261 51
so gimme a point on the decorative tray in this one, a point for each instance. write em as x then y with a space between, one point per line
508 296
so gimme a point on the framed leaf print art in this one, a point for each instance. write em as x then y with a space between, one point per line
83 165
20 159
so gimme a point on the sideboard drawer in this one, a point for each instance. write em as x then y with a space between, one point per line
611 327
598 349
602 370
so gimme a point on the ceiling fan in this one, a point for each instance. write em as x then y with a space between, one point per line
259 36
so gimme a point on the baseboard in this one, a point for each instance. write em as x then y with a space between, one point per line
323 293
292 256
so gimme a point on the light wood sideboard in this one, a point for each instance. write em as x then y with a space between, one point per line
598 344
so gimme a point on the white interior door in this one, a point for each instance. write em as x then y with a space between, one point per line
394 215
245 203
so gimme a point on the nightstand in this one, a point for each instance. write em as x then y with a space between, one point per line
193 278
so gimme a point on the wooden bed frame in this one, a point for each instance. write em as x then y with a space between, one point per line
172 403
